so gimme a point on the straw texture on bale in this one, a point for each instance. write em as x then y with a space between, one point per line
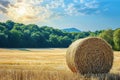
90 55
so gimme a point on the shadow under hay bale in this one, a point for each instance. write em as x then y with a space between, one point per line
90 55
110 76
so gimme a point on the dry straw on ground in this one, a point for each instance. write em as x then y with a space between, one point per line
90 55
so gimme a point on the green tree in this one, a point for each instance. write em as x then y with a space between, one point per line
53 40
32 27
2 28
38 39
3 40
9 24
19 35
64 41
108 36
26 39
117 39
14 38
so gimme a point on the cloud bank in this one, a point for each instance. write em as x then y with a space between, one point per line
41 10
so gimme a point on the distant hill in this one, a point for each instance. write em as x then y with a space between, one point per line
71 30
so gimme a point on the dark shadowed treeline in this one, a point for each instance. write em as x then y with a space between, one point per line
16 35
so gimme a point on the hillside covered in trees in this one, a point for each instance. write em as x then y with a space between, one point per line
17 35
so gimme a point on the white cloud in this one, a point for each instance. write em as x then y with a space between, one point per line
27 11
70 10
75 1
81 1
34 10
83 7
55 4
92 4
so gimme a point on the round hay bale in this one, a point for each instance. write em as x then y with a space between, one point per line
90 55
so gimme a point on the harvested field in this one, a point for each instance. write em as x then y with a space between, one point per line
45 64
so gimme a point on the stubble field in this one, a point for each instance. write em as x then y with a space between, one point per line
45 64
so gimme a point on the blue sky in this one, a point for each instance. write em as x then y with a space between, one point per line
82 14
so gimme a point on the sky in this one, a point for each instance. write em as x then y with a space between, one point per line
85 15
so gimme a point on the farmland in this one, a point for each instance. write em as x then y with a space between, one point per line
43 64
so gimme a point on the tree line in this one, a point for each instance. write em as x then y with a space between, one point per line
112 37
18 35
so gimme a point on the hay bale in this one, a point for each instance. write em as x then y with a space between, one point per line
90 55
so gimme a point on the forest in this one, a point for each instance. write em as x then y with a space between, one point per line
18 35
